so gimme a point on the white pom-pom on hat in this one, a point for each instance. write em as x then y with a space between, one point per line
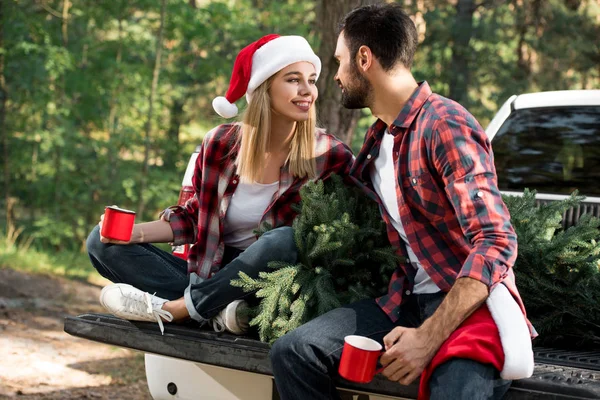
224 108
257 62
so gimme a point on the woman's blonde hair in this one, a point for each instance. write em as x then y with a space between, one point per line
255 135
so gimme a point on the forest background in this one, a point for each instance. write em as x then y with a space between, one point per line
102 102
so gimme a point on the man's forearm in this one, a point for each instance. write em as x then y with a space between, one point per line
152 232
466 296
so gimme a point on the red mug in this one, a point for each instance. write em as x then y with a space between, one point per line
118 223
359 359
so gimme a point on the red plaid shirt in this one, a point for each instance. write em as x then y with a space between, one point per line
200 220
448 198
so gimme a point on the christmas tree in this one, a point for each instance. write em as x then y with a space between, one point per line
557 271
343 256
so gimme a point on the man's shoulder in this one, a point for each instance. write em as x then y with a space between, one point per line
438 108
440 113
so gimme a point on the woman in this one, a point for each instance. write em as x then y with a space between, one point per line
247 174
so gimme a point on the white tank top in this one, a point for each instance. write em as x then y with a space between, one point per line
247 206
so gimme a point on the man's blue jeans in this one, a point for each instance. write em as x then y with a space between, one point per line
153 270
305 361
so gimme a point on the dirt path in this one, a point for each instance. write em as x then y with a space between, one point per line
40 361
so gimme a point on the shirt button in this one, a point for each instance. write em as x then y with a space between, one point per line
368 157
414 181
479 194
234 181
407 292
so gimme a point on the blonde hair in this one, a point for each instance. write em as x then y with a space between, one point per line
255 135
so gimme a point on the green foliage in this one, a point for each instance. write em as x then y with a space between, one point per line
343 256
78 100
558 271
78 88
513 48
21 257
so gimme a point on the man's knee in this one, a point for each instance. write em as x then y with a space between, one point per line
288 349
281 241
463 379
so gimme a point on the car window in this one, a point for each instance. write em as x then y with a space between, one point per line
552 150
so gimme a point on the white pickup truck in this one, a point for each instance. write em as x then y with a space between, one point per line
550 142
545 141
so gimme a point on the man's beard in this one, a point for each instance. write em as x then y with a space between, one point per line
358 91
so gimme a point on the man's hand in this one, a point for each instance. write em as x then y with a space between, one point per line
408 351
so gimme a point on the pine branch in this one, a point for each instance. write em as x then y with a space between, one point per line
341 242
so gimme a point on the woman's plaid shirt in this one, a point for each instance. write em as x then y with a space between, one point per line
200 220
448 198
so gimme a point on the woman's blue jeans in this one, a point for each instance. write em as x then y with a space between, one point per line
153 270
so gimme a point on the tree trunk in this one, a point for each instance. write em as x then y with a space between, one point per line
112 115
172 146
3 128
148 125
62 99
461 36
336 119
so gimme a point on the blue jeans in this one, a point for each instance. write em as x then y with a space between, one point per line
153 270
305 361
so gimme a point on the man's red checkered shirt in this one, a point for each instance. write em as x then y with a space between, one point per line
448 198
200 220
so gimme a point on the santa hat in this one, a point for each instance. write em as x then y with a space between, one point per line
257 62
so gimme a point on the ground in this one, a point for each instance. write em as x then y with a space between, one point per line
40 361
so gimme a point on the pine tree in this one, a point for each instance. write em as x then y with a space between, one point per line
343 256
557 271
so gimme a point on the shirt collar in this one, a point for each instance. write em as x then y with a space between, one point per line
413 106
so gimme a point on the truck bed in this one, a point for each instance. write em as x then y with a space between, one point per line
559 374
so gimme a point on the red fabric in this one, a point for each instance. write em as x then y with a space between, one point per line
242 69
477 338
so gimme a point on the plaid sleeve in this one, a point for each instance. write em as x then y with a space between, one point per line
183 222
338 157
184 219
343 158
462 155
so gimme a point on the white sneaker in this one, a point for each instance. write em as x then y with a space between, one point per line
127 302
233 318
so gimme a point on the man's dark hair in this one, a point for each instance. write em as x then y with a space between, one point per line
386 29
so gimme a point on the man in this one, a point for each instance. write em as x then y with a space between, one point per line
429 165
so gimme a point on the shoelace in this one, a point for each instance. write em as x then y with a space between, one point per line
218 324
143 306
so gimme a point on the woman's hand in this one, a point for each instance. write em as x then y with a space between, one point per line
112 241
158 231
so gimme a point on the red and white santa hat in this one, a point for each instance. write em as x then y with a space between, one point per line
257 62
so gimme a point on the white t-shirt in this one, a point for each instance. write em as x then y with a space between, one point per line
384 181
247 206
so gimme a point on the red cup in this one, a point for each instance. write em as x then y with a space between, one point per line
359 359
118 223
